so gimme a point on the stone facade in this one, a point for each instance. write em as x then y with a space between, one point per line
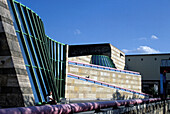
82 59
125 80
84 90
81 90
83 53
118 57
15 87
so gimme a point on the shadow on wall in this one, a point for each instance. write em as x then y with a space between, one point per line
118 96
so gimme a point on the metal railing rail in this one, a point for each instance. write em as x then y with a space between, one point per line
102 67
106 84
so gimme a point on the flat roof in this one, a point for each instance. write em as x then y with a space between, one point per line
156 54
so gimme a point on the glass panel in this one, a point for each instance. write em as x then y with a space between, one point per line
32 85
39 85
43 81
31 21
20 18
35 52
29 50
22 49
33 40
61 52
26 19
12 15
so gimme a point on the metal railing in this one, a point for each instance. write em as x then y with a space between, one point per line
106 84
102 67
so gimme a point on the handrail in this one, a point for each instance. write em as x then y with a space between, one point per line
109 85
76 107
105 68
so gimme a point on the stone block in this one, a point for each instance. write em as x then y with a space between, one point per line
9 90
5 27
3 80
7 71
14 45
73 69
14 100
26 90
19 62
3 3
21 71
28 99
7 62
12 82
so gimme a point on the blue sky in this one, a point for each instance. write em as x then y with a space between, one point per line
134 26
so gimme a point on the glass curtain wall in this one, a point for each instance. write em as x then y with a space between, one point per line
45 58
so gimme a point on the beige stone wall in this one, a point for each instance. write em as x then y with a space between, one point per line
78 89
81 89
82 59
118 60
125 80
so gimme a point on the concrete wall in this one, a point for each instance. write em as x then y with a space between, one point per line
15 87
80 89
149 67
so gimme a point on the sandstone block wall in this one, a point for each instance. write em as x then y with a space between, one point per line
118 57
82 59
78 89
125 80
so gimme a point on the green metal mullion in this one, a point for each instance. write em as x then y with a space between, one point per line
54 56
37 42
42 47
45 48
34 55
38 35
60 70
41 61
57 65
52 53
104 61
43 37
14 9
64 70
96 57
107 62
42 28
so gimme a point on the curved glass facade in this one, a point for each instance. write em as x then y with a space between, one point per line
102 60
45 59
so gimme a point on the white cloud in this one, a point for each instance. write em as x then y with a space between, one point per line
154 37
77 32
142 49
